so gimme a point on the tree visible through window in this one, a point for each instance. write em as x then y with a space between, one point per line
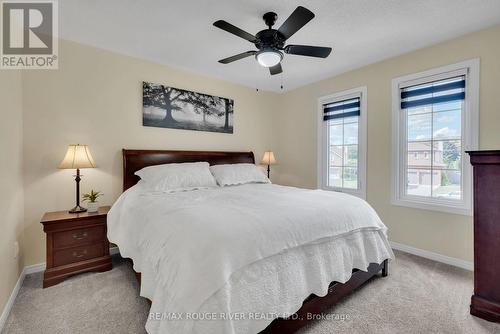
433 113
343 162
343 141
434 121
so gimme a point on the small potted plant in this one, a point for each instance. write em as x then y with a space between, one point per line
91 198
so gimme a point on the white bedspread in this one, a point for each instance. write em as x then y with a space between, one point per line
205 250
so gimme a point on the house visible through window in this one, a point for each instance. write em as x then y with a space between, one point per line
343 149
433 113
431 116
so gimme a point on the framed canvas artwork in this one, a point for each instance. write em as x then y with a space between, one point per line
168 107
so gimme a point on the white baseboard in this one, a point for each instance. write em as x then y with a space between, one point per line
12 298
8 306
114 250
35 268
433 256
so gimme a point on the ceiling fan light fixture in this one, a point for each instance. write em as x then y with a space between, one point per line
269 57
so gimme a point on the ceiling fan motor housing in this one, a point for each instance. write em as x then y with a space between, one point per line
269 38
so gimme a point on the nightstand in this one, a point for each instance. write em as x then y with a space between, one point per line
76 243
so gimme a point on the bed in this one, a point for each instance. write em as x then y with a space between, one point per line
279 268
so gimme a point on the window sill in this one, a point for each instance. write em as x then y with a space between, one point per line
423 205
358 193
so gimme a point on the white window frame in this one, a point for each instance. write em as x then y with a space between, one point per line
470 137
323 140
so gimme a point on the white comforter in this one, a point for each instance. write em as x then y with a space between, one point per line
197 250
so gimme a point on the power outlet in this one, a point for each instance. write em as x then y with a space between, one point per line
16 250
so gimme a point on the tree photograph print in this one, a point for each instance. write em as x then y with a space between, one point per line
168 107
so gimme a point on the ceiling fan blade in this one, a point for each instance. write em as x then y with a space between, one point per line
276 69
295 21
307 50
235 30
237 57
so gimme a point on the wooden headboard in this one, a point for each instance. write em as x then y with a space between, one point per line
134 160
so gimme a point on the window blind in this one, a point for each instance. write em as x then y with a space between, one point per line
441 91
341 109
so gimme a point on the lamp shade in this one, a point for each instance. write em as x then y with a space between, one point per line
268 158
78 156
269 58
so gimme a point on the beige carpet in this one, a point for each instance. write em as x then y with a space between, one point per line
419 296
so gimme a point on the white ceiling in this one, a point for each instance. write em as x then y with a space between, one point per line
180 33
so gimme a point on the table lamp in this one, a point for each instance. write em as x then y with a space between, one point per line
268 159
78 156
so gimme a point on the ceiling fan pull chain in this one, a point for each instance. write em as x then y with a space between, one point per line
256 79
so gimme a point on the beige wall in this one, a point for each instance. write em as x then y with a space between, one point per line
296 144
11 182
95 98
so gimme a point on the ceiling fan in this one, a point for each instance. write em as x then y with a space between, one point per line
271 42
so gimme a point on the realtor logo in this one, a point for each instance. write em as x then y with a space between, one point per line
29 35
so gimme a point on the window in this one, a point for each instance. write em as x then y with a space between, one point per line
435 119
342 142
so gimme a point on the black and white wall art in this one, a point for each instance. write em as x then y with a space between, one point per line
168 107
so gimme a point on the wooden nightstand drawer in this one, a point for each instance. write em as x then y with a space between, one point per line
77 254
79 237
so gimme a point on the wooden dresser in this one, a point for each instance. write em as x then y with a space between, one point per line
76 243
485 302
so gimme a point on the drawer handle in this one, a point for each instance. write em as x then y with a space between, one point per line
84 252
81 236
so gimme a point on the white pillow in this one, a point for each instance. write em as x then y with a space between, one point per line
177 177
232 174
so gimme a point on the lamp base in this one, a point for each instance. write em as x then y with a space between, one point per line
77 209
